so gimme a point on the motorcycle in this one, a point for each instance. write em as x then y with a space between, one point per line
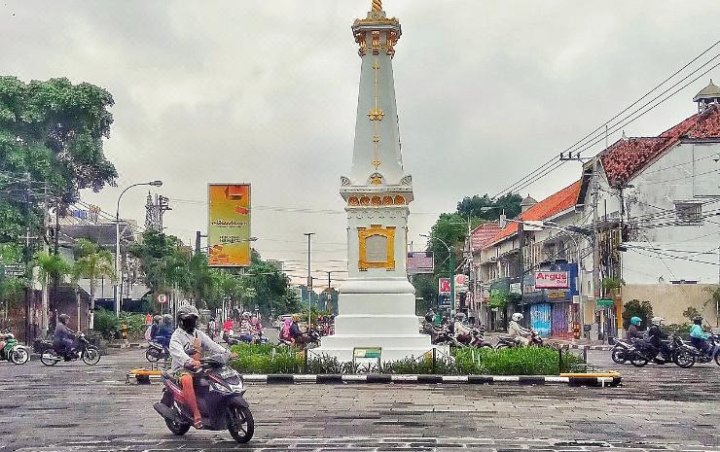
219 391
82 349
156 351
642 352
686 355
246 339
445 337
13 351
509 342
619 352
478 340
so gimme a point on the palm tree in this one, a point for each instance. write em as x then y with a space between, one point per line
49 266
93 263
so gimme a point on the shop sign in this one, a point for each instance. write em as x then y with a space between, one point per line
551 280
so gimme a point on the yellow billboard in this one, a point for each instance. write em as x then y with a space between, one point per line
229 227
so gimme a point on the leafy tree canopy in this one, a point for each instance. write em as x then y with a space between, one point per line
485 208
51 136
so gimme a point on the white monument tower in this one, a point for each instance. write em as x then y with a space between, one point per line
377 302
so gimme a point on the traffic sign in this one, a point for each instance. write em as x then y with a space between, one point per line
162 298
444 286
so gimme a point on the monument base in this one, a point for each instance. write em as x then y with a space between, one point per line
394 348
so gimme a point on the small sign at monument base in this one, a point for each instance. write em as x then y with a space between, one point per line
374 354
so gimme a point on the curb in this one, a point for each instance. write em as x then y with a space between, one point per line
582 347
591 380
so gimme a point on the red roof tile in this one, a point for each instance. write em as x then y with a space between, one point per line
480 236
627 157
552 205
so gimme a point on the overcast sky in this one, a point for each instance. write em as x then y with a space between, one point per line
265 91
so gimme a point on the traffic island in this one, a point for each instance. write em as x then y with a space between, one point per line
601 380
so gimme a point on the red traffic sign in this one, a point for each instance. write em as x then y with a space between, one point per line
444 286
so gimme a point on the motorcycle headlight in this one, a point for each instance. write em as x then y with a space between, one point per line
220 388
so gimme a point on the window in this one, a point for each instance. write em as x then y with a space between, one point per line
688 213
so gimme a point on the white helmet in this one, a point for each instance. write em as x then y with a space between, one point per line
517 317
187 311
657 321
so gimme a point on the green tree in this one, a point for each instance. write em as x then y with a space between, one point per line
642 309
485 208
425 289
93 263
51 138
48 266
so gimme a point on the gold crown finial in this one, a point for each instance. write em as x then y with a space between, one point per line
377 5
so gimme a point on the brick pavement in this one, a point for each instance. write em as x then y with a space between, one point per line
75 407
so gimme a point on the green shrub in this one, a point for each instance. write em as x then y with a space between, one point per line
106 323
682 330
269 359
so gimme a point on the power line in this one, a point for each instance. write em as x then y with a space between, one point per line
548 166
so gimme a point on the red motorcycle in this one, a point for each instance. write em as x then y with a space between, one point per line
219 391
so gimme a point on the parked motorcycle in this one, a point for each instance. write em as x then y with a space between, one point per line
156 351
13 351
686 355
478 340
509 342
219 391
246 339
82 349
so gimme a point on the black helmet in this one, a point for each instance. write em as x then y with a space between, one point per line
429 317
697 320
63 318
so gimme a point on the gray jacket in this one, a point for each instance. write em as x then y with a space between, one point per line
180 341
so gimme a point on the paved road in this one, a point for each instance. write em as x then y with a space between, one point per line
76 407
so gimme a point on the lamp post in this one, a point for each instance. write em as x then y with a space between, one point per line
118 270
451 265
309 280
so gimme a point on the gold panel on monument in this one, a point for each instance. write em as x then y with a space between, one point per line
377 247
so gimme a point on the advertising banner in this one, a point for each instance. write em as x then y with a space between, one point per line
420 262
444 286
551 280
229 225
461 283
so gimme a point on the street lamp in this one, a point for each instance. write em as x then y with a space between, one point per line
118 295
309 280
451 265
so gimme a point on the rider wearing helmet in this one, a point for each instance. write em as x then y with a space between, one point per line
516 331
63 338
462 333
656 336
164 331
632 331
698 337
155 326
186 346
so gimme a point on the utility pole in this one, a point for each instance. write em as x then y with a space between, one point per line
198 236
309 279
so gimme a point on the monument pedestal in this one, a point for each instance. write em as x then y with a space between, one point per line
376 313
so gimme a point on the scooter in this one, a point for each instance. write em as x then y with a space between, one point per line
219 391
509 342
478 340
619 352
156 351
13 351
83 349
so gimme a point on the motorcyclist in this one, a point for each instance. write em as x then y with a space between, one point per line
462 333
63 337
632 331
517 332
298 337
698 337
165 331
155 326
186 346
656 335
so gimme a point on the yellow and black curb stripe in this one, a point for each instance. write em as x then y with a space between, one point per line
611 379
